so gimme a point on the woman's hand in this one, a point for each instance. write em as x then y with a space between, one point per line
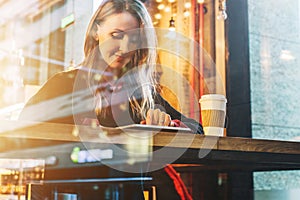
157 117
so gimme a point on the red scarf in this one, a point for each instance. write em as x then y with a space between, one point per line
178 183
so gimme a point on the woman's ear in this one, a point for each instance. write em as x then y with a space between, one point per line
95 32
96 37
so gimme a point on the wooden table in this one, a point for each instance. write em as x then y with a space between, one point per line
39 140
189 153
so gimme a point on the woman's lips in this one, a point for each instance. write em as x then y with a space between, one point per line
119 58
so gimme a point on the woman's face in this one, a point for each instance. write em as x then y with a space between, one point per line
118 39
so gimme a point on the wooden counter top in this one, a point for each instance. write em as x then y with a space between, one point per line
209 152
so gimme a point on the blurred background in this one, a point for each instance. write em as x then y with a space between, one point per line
254 46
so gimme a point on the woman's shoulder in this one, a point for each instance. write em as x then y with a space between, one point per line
58 84
67 77
64 75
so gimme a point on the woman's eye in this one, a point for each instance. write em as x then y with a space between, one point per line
120 35
117 35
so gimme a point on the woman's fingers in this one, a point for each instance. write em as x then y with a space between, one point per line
161 119
149 116
167 120
158 117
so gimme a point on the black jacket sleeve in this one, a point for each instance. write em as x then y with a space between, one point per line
53 101
195 126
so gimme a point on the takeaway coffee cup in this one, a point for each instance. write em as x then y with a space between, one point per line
213 112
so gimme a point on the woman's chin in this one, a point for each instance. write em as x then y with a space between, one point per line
117 65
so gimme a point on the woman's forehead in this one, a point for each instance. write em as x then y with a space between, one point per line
121 21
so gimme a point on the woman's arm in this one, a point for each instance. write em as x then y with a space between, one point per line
175 115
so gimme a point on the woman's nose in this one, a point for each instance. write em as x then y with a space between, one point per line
124 45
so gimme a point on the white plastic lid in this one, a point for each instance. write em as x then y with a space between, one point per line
213 101
213 96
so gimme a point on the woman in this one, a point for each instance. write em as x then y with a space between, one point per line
116 76
121 40
118 68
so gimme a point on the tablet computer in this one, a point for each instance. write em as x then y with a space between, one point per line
156 128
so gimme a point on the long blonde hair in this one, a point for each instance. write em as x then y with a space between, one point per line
144 60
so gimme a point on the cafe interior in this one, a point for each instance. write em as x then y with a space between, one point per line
244 50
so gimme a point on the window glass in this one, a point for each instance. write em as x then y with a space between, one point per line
274 30
37 40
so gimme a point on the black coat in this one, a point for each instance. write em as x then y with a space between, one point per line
66 98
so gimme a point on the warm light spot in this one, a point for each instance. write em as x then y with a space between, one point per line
97 77
123 106
103 134
167 9
186 13
161 6
157 16
94 124
75 132
187 5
